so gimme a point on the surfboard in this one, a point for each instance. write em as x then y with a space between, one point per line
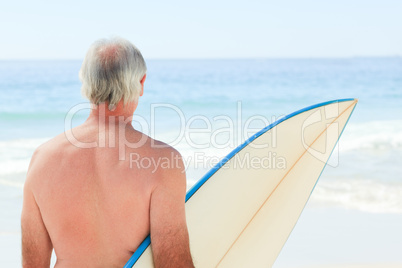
241 213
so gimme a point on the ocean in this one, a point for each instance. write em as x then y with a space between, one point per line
206 108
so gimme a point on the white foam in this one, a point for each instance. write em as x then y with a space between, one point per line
10 233
22 143
16 154
11 183
374 135
365 195
14 166
375 196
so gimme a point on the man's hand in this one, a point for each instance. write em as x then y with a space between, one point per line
169 235
36 244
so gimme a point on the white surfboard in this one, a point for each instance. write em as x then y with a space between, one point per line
242 211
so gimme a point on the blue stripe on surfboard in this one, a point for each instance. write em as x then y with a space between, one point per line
147 241
137 254
251 139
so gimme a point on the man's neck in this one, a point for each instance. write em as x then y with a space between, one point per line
122 112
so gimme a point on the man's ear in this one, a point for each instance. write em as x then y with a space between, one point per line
142 84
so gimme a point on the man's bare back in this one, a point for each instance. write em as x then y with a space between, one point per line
94 206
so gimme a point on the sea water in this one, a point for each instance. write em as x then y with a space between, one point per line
206 108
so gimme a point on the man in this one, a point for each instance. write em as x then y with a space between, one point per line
84 199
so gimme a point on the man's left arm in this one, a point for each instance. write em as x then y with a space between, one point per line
169 234
36 244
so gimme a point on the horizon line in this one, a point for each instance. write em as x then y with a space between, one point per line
221 58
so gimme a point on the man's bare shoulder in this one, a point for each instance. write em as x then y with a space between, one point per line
164 160
153 146
47 156
172 169
49 148
40 166
163 149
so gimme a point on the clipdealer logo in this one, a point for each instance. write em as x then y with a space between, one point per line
235 131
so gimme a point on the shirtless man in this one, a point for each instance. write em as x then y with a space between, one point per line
84 198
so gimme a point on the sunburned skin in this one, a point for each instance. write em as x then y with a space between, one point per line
94 208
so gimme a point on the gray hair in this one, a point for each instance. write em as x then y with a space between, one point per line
112 70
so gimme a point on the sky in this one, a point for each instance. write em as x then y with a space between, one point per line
203 29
